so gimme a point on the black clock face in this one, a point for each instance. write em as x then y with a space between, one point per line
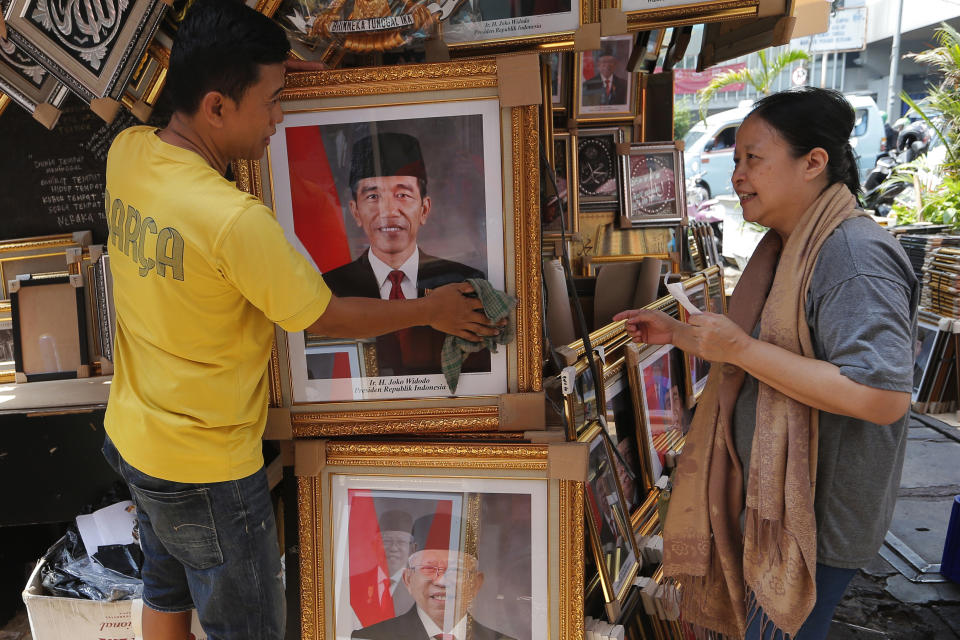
652 191
597 166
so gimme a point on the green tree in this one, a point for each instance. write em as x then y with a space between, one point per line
760 78
684 117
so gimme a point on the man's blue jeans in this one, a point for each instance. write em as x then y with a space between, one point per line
212 546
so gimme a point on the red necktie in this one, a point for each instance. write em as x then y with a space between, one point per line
396 292
445 636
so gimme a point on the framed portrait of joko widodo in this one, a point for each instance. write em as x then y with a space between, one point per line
413 171
647 14
604 89
471 26
407 540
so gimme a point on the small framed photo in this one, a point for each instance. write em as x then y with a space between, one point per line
25 80
560 85
564 163
387 528
697 368
659 407
653 188
49 328
716 294
599 169
604 88
93 49
611 537
582 405
620 420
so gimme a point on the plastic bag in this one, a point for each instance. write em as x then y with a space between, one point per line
361 26
69 572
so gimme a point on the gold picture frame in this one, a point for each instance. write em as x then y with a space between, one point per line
716 293
610 92
646 14
612 541
565 167
7 363
509 142
341 507
546 31
695 368
36 254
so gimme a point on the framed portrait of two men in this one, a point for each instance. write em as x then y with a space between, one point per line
393 182
476 540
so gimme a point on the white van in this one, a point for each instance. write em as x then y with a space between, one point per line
708 146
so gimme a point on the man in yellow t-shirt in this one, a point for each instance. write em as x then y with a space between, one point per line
201 272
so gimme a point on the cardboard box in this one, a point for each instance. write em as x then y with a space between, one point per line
56 618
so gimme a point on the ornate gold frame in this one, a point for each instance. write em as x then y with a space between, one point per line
693 394
425 84
715 286
614 599
565 531
693 13
562 41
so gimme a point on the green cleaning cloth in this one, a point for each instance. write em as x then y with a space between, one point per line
497 305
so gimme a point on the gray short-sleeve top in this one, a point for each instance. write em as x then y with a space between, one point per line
862 312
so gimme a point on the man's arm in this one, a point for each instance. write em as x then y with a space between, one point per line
446 309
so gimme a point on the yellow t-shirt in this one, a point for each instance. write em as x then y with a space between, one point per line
201 270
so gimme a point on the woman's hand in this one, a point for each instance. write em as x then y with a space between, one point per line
649 327
710 336
716 338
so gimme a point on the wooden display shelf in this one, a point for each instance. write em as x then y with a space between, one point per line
55 396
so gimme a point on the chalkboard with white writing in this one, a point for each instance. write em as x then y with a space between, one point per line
53 181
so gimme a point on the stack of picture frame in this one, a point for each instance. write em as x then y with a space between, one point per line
632 404
621 195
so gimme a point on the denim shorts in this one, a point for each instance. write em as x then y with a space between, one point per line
212 547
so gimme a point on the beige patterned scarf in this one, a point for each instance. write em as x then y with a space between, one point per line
774 561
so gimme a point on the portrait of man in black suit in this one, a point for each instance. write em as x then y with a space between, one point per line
605 87
389 201
386 590
443 582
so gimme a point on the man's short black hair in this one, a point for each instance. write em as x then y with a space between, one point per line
220 46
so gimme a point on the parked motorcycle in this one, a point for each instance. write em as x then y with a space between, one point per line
878 191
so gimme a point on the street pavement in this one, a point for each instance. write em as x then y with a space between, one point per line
884 602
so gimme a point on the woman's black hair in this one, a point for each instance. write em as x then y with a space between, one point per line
809 117
220 46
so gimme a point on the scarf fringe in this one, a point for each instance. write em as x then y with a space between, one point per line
768 534
754 610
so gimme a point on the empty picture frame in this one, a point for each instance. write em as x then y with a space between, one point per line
653 185
49 328
37 254
91 47
480 161
493 508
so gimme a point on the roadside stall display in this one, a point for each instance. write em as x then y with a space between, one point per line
541 521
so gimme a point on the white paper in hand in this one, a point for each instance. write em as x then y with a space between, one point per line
676 290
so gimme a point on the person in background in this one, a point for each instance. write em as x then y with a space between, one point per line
201 273
810 391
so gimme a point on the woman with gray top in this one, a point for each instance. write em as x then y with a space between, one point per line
790 472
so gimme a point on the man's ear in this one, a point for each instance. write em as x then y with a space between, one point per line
352 205
427 203
211 108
